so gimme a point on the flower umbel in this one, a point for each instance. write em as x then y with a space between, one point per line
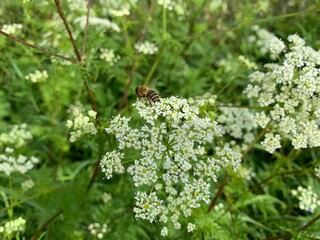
81 124
98 230
167 154
13 229
290 92
308 199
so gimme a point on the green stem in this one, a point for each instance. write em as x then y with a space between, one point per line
164 39
10 209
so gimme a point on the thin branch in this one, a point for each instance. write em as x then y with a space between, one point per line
308 224
289 235
262 133
94 175
226 177
235 232
124 99
164 40
40 230
66 24
92 101
220 190
85 37
42 50
260 184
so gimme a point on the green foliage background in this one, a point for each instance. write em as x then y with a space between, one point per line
189 64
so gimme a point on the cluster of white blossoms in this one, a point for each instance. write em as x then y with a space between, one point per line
10 163
101 23
246 173
16 137
13 229
308 199
109 56
12 28
97 230
177 6
77 6
27 185
246 62
81 124
146 47
117 8
106 197
219 208
203 101
37 76
267 42
239 124
120 12
290 94
167 156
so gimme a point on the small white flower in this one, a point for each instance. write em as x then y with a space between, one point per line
37 76
14 227
164 232
109 56
147 48
81 124
191 227
98 230
26 185
102 23
120 13
271 142
12 28
308 199
275 46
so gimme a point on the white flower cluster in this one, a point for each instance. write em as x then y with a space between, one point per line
27 185
111 162
168 157
308 199
239 124
117 8
109 56
247 63
10 163
120 12
81 124
102 23
12 28
292 91
201 101
16 137
13 229
267 42
219 208
246 173
106 197
97 230
191 227
77 6
177 6
37 76
147 48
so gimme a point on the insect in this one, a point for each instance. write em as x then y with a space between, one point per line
148 93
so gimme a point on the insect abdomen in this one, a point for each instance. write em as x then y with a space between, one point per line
153 96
